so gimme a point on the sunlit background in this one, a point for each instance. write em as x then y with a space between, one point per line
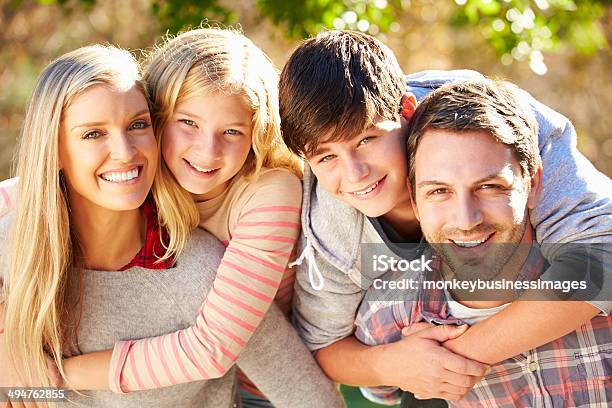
556 49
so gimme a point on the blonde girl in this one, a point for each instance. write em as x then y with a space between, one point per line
215 111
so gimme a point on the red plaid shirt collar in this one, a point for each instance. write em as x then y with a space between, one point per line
153 248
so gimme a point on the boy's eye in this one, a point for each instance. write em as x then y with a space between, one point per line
232 132
366 140
188 122
92 134
139 124
327 158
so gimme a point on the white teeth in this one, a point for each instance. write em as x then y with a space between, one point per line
470 244
119 177
372 187
202 169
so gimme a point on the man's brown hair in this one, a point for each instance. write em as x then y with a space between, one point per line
492 106
339 82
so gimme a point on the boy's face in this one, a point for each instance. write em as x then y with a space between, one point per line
368 171
471 198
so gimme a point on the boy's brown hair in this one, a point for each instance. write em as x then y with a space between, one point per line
340 82
492 106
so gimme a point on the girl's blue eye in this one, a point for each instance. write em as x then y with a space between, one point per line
233 132
327 158
92 134
139 124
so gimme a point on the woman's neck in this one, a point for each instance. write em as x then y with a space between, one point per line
108 239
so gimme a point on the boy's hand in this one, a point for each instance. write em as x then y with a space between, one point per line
419 364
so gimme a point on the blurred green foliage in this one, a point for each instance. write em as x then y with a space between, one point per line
518 30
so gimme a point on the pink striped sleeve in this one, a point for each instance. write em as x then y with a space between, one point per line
253 268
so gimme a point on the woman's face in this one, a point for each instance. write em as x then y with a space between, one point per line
107 149
207 141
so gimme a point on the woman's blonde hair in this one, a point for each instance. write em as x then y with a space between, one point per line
205 61
42 250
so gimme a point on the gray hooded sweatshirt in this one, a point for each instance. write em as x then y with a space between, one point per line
575 206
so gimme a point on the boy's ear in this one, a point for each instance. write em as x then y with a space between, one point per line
412 201
408 105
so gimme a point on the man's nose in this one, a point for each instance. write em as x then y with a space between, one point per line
468 213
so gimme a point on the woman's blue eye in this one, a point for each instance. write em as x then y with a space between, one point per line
188 122
92 134
139 124
326 158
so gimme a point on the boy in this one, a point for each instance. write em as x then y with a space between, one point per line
340 95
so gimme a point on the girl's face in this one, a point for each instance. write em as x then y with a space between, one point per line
206 142
107 149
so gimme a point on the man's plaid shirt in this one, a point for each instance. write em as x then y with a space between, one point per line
572 371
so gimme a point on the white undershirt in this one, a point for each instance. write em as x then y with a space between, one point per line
470 315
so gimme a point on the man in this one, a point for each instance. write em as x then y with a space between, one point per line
473 210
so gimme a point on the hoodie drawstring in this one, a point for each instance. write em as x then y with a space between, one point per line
313 270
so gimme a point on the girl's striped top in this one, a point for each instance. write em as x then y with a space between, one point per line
259 224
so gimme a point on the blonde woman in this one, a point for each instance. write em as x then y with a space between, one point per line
82 242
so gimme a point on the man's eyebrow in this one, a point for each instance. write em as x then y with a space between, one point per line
489 177
492 176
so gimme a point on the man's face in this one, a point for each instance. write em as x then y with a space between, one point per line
471 199
368 171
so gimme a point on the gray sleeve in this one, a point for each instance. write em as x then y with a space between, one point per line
575 206
576 200
283 369
324 316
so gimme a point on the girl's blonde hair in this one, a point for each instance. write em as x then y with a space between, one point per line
42 250
205 61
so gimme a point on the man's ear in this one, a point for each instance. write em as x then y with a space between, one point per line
408 105
535 189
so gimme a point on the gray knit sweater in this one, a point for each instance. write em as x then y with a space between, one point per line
140 302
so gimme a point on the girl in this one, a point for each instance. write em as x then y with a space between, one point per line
215 109
86 163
